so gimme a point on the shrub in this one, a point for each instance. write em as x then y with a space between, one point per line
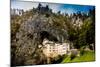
72 56
82 52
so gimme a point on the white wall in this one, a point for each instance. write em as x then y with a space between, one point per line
5 33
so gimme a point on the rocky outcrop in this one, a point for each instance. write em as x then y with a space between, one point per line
31 34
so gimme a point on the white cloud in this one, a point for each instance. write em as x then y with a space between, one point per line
29 5
55 7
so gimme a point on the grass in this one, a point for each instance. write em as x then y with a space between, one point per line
87 56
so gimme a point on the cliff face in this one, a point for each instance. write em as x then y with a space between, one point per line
31 34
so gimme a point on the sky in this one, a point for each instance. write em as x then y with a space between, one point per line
64 8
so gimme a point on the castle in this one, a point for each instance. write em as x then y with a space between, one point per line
52 49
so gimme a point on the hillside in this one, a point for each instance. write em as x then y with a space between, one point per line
29 29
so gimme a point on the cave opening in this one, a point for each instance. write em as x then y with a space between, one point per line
45 34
